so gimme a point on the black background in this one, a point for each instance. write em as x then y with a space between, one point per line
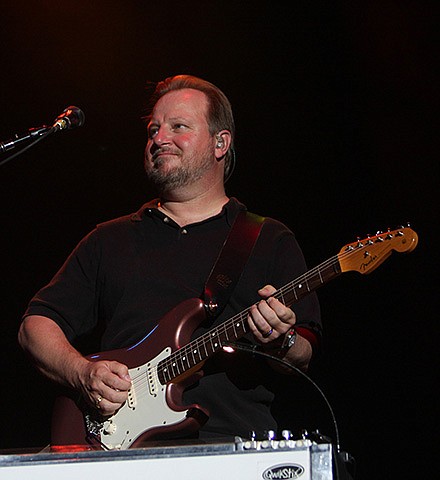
336 112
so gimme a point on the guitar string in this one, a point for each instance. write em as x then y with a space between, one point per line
208 340
181 354
193 348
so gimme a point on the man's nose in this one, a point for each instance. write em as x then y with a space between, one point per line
162 137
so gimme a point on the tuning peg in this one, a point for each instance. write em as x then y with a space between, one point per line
378 236
402 227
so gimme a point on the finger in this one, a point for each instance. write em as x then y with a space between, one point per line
121 379
284 314
101 381
260 335
106 407
263 316
267 291
106 373
112 395
261 324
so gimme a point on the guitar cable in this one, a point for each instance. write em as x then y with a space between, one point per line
253 350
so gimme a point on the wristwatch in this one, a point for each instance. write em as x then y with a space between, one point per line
289 339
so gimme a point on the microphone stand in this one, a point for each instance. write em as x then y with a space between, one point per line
72 117
33 134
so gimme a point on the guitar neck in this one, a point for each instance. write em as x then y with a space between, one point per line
199 350
308 282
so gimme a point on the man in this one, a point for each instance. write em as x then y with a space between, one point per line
128 273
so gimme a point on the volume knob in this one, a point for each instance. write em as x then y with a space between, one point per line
109 428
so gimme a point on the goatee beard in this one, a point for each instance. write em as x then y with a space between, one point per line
171 180
178 177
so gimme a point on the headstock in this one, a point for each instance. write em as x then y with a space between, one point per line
365 255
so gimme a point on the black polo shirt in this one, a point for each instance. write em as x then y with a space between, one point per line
126 274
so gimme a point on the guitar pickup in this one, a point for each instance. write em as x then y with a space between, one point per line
137 377
152 380
141 376
131 399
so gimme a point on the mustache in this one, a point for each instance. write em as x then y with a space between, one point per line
161 150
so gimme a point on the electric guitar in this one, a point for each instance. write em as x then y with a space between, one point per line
162 367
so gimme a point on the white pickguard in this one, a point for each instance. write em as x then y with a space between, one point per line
145 408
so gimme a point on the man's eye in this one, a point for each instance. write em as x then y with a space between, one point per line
179 126
152 132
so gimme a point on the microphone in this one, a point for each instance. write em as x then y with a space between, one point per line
72 117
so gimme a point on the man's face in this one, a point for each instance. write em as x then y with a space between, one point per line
180 148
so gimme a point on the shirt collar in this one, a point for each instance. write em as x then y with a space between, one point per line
230 209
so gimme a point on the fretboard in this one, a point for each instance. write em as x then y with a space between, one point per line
199 350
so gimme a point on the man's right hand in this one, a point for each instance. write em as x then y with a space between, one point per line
104 384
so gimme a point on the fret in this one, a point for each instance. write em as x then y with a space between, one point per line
197 350
223 335
226 333
193 357
185 359
179 364
166 374
235 331
218 342
232 331
294 292
237 328
313 282
320 276
213 345
173 364
244 325
206 351
307 284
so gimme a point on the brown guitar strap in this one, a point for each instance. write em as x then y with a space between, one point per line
231 261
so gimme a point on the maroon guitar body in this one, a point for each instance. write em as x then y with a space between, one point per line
75 423
166 361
